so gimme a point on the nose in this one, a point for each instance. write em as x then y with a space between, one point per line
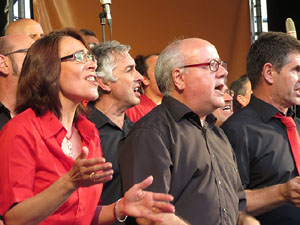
91 64
138 76
227 97
222 72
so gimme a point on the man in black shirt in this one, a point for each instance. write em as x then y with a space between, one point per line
12 53
260 141
118 84
179 144
242 92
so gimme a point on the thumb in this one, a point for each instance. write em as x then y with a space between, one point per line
84 153
145 183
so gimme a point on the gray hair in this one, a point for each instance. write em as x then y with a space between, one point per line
169 59
107 53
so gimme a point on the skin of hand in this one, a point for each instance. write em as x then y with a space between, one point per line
290 191
87 172
140 203
246 219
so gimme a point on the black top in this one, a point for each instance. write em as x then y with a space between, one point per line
110 134
263 153
193 163
4 115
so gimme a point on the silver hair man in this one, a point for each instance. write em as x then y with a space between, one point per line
107 53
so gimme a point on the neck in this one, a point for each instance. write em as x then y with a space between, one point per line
114 111
201 111
264 93
67 116
154 97
8 95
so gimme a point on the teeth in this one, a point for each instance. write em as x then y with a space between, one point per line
227 108
91 78
136 89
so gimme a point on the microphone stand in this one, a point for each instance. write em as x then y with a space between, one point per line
102 17
109 22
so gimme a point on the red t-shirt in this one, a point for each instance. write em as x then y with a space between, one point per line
32 159
136 112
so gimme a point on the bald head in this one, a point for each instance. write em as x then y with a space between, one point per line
27 27
13 50
175 55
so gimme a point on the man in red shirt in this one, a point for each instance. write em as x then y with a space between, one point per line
152 96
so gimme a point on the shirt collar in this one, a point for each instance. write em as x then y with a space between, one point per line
51 126
82 124
265 110
180 110
100 119
176 108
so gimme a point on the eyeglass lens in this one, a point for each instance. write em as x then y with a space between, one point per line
82 57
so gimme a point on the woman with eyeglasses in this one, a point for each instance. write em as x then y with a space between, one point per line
51 165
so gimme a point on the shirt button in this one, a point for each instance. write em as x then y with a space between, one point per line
224 210
213 156
235 169
220 182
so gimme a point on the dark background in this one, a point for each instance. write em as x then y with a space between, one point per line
279 10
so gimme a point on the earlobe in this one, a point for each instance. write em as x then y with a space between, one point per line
267 73
241 99
4 68
104 85
178 79
146 81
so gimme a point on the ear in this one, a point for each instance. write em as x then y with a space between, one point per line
146 81
4 67
104 85
267 73
241 100
178 79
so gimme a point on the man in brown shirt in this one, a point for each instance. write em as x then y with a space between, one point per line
179 144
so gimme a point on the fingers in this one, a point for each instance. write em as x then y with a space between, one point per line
144 184
84 153
162 197
98 168
103 177
164 207
296 179
87 172
100 173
